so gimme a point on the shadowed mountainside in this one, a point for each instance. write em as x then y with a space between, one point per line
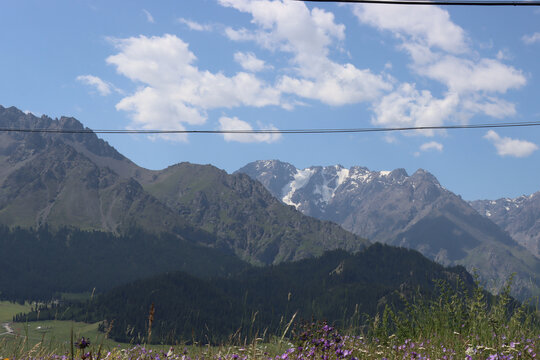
80 181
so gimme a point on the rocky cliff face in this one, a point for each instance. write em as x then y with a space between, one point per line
412 211
520 217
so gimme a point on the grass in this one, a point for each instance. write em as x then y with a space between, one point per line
8 309
456 325
54 336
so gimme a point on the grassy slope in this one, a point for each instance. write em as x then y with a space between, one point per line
245 216
8 309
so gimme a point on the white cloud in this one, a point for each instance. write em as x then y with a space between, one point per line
491 106
432 145
531 39
339 85
504 54
408 107
441 51
227 123
173 91
510 147
307 35
104 88
193 25
250 62
463 75
149 16
427 25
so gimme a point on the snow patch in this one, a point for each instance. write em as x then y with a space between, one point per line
362 176
488 214
328 192
384 173
343 175
301 178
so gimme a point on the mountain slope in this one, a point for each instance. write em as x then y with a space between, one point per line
520 217
46 180
338 287
411 211
61 187
244 216
80 181
37 264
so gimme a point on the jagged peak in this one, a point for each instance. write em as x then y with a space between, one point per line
399 172
424 175
69 123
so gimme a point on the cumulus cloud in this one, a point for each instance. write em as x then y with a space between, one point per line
149 16
307 35
193 25
531 39
432 145
103 88
426 25
408 107
173 91
250 62
510 147
464 75
227 123
441 51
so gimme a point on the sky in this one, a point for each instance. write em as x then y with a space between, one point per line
283 64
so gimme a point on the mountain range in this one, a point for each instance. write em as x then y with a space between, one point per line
78 180
520 217
267 213
412 211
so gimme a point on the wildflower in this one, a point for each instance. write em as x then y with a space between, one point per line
83 343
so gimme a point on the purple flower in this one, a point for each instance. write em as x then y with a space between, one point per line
83 343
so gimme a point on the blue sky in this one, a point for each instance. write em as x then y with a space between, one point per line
279 64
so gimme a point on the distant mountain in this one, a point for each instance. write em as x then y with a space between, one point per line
411 211
520 217
338 286
79 181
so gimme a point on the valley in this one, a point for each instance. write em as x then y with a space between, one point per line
220 253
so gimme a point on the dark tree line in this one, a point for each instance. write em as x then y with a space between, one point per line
338 287
38 264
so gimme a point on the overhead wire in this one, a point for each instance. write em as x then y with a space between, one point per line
435 2
272 131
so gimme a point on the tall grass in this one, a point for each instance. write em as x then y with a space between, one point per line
462 324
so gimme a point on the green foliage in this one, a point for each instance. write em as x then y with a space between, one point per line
37 264
459 315
338 286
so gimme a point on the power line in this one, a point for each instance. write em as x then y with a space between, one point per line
435 2
275 131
